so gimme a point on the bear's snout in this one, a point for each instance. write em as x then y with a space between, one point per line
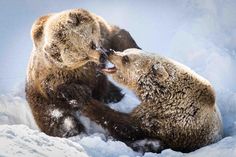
103 58
105 55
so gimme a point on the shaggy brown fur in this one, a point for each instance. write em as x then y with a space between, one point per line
177 105
61 75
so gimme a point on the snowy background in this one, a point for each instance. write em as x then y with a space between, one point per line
200 34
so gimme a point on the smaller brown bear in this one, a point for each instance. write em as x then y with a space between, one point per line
177 105
62 73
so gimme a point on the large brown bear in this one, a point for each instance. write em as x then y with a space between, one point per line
62 73
177 105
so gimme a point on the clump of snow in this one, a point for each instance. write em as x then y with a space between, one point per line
147 144
128 103
90 126
68 123
56 113
73 102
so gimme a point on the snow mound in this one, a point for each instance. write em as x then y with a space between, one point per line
14 109
224 148
20 141
95 146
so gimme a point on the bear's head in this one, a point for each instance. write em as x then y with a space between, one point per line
132 64
68 39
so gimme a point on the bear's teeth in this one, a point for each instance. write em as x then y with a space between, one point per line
109 65
109 70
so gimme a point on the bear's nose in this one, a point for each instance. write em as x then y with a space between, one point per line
110 52
103 54
103 58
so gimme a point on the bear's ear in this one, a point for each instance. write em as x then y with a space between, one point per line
160 72
73 19
37 30
79 17
121 40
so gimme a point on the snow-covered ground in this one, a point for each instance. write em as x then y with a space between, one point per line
19 135
200 34
20 141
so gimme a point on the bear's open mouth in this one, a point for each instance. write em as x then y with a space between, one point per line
105 65
108 67
109 70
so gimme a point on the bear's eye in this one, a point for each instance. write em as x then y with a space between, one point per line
92 45
125 59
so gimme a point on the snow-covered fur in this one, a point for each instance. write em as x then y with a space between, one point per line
177 105
60 74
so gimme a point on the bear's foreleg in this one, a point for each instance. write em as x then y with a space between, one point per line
120 125
62 124
114 94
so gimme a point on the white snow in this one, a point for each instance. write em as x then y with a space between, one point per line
20 141
95 146
68 124
200 34
90 126
14 110
128 103
56 113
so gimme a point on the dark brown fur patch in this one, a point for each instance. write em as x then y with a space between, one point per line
122 40
52 88
38 27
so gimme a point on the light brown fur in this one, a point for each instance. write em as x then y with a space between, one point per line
177 105
62 73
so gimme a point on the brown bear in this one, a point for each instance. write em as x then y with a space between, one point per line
177 105
62 73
